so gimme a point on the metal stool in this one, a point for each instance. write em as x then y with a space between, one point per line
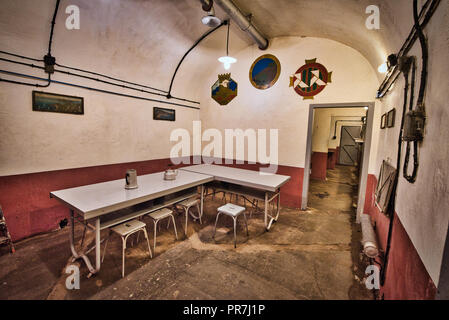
124 230
233 211
160 215
186 205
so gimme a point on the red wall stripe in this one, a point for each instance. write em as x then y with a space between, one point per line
332 159
319 165
406 277
29 210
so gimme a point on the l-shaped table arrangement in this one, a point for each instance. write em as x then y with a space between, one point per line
103 205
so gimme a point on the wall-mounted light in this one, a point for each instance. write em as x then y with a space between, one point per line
227 60
392 61
383 68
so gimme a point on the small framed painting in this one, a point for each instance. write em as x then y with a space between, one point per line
50 102
390 118
164 114
383 121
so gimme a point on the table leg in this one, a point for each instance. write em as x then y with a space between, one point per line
266 212
75 254
278 205
202 200
97 244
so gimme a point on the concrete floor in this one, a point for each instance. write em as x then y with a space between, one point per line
312 254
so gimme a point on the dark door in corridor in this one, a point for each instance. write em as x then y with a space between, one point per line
349 147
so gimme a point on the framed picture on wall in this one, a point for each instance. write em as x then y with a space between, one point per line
51 102
384 187
383 121
164 114
391 115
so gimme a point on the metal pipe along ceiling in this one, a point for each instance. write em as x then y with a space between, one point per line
243 22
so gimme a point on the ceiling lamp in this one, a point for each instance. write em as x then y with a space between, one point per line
211 20
227 60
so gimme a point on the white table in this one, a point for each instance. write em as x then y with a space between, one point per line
97 201
270 184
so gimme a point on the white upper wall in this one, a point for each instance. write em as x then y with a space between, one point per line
125 39
423 207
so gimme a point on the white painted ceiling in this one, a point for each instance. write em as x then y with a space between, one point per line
339 20
163 30
149 24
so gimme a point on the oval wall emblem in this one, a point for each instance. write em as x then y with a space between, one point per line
265 71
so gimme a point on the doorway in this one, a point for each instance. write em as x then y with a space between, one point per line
364 152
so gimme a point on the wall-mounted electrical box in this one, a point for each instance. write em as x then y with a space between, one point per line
414 126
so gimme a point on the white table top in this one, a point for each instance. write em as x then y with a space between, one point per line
248 178
102 198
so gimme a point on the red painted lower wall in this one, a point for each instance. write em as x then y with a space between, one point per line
29 210
337 155
332 159
319 165
291 192
406 276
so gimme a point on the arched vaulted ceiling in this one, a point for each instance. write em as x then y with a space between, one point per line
339 20
158 32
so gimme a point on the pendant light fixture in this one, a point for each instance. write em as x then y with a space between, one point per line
227 60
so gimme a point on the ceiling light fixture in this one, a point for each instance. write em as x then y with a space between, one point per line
227 60
211 20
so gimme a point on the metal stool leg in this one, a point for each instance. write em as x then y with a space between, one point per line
84 236
187 219
148 241
235 232
123 255
215 228
155 232
199 212
105 246
174 226
246 223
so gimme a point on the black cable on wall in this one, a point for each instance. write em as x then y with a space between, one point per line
425 15
53 22
50 62
188 51
391 208
405 65
16 74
